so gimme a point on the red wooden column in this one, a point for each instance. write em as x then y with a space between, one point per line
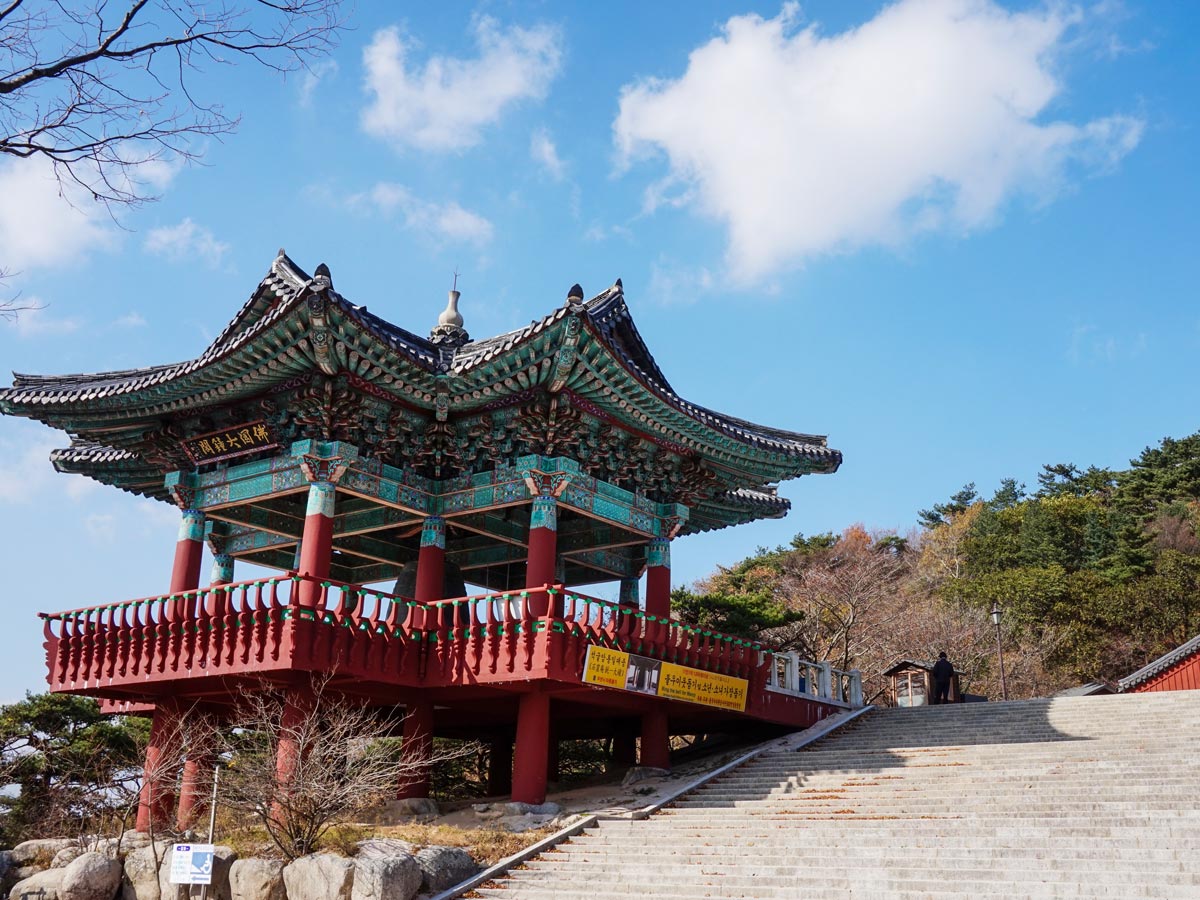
656 740
533 748
658 578
297 706
630 594
157 798
417 748
191 787
541 568
431 568
222 573
316 546
189 549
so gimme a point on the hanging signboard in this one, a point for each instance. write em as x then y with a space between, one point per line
192 864
237 440
630 672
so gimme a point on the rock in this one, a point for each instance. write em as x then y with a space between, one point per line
639 774
39 852
389 878
44 885
256 879
218 889
443 867
487 811
383 848
91 876
320 876
532 809
65 857
140 881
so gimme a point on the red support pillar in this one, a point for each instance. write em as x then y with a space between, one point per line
658 578
417 749
222 573
157 796
656 740
192 789
533 748
316 546
542 568
431 567
189 549
297 707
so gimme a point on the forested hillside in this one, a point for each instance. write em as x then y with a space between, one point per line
1096 571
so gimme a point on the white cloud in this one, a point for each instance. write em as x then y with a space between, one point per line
672 283
543 151
443 221
924 118
186 241
446 104
101 527
35 321
26 473
1091 345
43 223
313 76
130 320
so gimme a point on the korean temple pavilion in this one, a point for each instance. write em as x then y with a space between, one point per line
377 473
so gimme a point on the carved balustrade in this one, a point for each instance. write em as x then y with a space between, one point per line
260 626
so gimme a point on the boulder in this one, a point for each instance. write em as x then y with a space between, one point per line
383 848
65 857
638 774
444 867
44 885
91 876
532 809
320 876
488 811
218 888
386 878
256 879
39 852
140 881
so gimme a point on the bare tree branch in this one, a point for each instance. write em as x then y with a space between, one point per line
101 99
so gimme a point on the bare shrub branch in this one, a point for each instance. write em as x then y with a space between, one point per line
342 758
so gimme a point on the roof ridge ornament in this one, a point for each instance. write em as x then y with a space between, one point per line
449 331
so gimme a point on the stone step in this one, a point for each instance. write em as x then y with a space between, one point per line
783 876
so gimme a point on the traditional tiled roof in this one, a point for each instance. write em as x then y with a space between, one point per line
1162 664
295 324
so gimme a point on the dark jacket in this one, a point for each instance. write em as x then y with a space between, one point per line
943 671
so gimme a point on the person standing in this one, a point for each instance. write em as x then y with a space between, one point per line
943 674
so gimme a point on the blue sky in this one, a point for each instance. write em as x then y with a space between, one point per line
958 237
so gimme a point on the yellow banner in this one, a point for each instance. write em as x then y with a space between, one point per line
605 667
629 672
698 686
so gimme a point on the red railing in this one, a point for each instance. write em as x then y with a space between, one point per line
240 627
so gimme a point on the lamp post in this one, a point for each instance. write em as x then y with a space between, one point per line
999 648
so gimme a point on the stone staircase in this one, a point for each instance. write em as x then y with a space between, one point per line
1075 797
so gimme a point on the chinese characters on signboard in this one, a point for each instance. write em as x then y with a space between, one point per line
630 672
237 440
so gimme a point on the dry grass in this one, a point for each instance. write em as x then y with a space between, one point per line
486 845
